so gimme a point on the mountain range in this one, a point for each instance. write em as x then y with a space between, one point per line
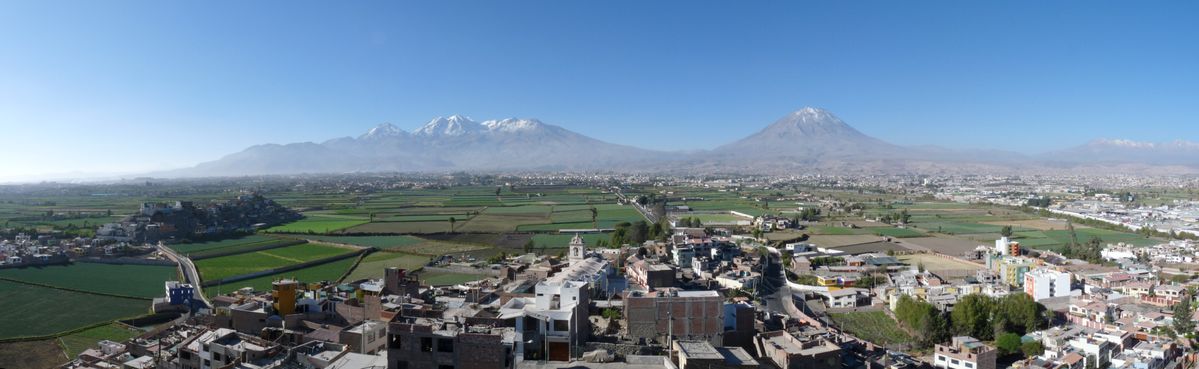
809 139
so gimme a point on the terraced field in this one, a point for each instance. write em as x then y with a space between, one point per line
143 281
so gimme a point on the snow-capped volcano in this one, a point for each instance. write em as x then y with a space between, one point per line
808 133
383 130
454 125
512 125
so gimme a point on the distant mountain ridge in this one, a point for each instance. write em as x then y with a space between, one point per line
808 139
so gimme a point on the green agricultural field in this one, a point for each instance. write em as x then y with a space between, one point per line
873 326
554 227
897 232
235 265
318 224
563 240
126 280
403 227
444 278
719 218
187 248
37 311
76 343
373 265
835 231
964 227
381 242
324 272
500 223
1085 234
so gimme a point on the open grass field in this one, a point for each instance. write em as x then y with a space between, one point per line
324 272
374 264
76 343
445 279
36 311
235 265
873 326
381 242
127 280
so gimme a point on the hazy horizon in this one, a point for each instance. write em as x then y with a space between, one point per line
133 87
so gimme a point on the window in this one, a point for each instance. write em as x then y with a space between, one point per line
955 361
216 356
426 344
395 343
940 358
969 364
562 325
445 345
401 364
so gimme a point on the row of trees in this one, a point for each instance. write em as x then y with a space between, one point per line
690 222
903 217
638 232
975 315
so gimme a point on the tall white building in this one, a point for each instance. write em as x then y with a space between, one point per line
1043 283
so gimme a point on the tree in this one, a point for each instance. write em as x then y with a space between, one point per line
497 190
529 246
757 233
1006 231
1032 348
920 267
971 316
922 318
1018 313
594 215
452 221
1182 315
1008 343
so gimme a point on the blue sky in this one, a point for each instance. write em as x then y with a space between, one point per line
122 86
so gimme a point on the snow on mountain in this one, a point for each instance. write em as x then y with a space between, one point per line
808 139
1177 152
454 125
383 131
512 125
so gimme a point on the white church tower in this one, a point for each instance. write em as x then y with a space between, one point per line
578 249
